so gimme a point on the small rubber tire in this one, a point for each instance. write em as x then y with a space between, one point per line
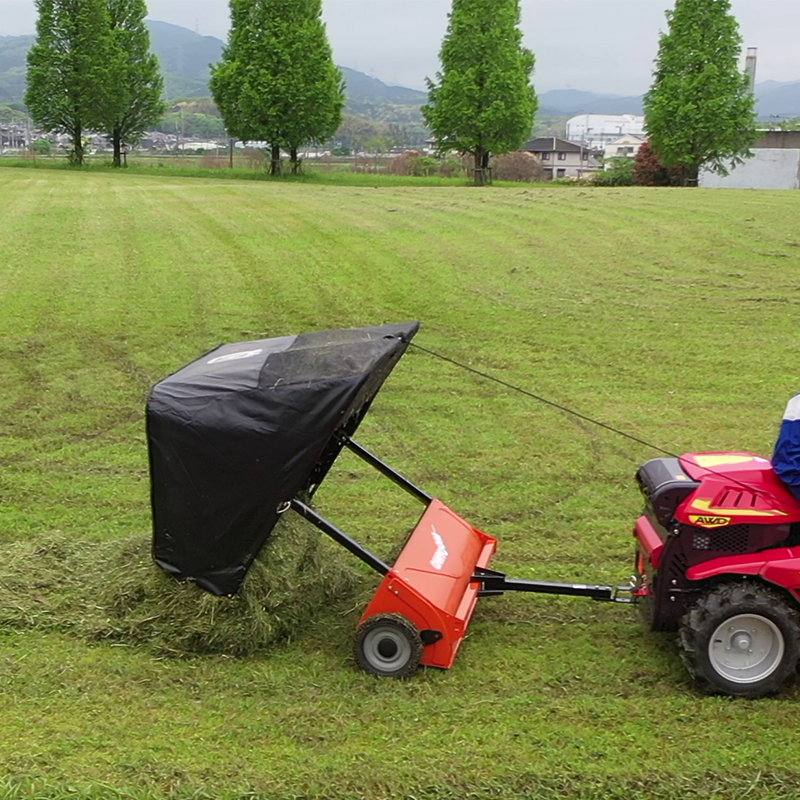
388 645
741 639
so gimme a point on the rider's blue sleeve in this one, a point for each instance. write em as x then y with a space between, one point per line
786 458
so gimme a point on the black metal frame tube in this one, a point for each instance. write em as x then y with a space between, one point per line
386 470
495 583
339 536
573 589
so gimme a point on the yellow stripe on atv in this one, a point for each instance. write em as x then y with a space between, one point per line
705 505
720 460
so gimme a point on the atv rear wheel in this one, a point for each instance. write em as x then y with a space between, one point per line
388 645
741 639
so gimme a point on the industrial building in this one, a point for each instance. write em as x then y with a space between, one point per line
775 164
595 131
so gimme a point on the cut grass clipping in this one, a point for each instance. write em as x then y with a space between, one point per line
113 591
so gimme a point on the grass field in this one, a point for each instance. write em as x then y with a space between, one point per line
371 172
672 314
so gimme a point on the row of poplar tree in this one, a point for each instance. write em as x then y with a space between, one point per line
91 68
699 110
277 82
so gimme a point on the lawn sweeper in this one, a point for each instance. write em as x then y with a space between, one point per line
249 431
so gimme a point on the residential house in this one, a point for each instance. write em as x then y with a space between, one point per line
13 136
562 159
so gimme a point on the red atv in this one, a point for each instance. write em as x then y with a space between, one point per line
718 559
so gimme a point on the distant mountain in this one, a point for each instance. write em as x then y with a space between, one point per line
778 100
768 86
13 51
364 87
572 101
773 99
185 57
373 99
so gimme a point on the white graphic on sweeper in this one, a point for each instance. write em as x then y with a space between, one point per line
440 556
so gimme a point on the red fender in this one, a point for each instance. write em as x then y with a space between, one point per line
780 567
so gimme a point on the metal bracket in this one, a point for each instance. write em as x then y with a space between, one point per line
430 636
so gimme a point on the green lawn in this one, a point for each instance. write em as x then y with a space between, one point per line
672 314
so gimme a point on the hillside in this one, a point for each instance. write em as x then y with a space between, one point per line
573 101
374 100
782 100
13 50
773 99
185 57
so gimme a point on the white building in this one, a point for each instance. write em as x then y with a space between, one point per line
626 146
775 165
597 130
207 146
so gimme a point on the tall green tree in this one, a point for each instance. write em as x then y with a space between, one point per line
314 89
699 111
68 68
134 101
482 101
277 81
240 82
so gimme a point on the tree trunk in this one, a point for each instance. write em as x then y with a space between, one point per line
116 141
77 145
295 161
690 175
275 160
479 174
487 174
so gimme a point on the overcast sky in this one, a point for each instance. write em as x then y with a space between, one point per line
595 45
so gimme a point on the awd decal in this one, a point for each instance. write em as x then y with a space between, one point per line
440 556
709 522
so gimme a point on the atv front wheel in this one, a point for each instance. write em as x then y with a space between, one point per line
741 639
388 645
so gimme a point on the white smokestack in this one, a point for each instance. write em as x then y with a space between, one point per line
750 66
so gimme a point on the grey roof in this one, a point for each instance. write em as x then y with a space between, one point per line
551 144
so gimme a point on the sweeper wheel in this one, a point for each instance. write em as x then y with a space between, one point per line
388 645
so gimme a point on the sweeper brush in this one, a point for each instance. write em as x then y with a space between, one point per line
249 431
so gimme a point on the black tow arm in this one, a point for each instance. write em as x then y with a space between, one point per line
495 583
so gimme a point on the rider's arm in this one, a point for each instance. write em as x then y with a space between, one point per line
786 458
